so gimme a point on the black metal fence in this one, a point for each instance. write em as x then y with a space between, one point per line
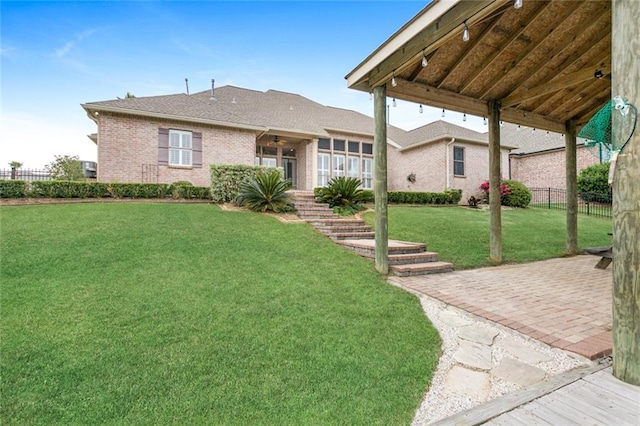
25 174
556 199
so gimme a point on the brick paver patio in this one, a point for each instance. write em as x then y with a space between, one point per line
565 302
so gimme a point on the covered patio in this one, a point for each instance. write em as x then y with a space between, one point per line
548 65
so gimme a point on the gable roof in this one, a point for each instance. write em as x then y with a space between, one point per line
275 111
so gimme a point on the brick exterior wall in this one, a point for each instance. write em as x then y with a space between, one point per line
428 162
547 169
127 144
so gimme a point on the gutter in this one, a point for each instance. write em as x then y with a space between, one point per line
446 162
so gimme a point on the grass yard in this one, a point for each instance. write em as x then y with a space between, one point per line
461 235
187 314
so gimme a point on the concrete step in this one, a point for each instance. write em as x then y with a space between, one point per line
338 236
316 213
408 258
343 228
368 247
421 268
335 222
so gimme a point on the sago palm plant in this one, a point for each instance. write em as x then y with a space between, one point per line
266 192
343 194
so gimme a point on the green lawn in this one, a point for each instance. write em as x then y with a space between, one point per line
461 235
186 314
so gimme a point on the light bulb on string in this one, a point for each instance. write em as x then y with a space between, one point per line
442 112
484 120
394 102
394 83
464 117
420 109
370 96
424 59
518 129
517 4
465 32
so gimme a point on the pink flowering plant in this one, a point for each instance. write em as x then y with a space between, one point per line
512 193
504 190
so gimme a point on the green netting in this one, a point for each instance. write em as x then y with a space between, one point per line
598 129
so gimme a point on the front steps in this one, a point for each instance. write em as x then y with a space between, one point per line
405 258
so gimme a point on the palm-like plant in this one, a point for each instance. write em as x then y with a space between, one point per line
266 192
343 193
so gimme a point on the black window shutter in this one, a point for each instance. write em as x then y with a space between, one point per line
196 139
163 147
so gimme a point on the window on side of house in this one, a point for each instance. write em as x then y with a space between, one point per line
367 148
324 169
353 167
180 148
367 173
458 161
338 165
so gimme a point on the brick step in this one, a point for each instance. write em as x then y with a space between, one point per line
408 258
328 213
318 216
421 268
338 236
327 230
364 247
317 208
335 222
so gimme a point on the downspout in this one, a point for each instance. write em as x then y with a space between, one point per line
446 162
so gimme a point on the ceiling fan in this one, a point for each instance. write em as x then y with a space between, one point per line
277 141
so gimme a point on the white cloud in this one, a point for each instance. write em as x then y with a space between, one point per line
70 45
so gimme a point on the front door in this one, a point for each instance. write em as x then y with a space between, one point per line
289 166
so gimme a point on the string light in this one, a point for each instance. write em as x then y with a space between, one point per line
394 83
518 129
517 4
370 96
420 109
484 120
464 117
465 32
501 123
424 59
442 112
394 102
547 134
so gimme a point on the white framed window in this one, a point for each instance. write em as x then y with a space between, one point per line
269 161
353 167
367 173
180 148
458 161
338 165
324 169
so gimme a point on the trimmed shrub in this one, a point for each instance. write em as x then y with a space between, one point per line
13 189
593 182
450 196
366 196
343 194
138 190
227 178
68 189
519 195
266 192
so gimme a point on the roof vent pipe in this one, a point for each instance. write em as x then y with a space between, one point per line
213 84
186 82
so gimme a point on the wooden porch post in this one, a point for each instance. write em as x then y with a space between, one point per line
572 187
626 197
495 240
380 178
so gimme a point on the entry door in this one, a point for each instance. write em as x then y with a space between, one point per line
289 166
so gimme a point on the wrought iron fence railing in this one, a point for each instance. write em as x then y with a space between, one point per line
590 204
25 174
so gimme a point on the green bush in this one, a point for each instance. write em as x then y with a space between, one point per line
342 193
138 190
519 195
227 178
13 189
68 189
451 196
593 181
266 191
366 196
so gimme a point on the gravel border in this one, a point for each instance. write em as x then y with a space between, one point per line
435 405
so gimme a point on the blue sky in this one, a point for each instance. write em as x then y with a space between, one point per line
57 55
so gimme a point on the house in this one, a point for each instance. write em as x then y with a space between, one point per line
176 137
539 161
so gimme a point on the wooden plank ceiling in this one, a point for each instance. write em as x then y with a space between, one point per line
548 61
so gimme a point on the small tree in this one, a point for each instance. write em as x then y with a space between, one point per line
593 182
15 165
65 167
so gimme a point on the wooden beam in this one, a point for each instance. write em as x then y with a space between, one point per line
559 83
469 46
572 187
495 209
626 197
432 96
489 60
380 179
560 47
432 37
